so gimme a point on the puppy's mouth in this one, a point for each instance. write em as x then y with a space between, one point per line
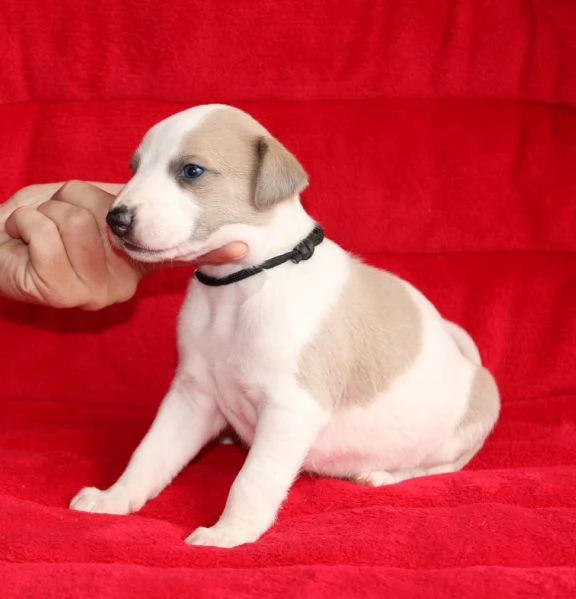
132 247
177 253
140 252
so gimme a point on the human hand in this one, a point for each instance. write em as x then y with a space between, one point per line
55 249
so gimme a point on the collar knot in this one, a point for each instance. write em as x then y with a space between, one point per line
305 249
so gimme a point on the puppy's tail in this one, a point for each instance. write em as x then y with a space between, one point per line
464 342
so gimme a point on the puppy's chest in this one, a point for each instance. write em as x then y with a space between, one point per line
237 348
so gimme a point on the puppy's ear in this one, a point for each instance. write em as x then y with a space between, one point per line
279 175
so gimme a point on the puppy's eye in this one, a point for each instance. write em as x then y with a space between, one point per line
191 171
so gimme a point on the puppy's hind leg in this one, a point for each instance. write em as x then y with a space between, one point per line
466 441
187 420
379 478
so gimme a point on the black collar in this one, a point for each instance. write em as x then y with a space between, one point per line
303 251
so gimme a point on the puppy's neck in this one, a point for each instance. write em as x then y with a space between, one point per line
290 224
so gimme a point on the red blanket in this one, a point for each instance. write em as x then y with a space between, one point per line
441 141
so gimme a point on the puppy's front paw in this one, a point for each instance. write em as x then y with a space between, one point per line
223 536
111 501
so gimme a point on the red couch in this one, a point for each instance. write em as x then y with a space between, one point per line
440 138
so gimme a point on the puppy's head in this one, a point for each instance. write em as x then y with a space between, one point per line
195 173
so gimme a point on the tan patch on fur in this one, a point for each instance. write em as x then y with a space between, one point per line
279 175
247 170
370 337
484 403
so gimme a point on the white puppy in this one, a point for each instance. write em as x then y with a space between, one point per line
319 363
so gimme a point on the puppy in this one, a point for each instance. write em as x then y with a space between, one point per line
319 362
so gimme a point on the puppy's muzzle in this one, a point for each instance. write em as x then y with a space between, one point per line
120 220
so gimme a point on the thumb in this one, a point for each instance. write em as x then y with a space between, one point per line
231 252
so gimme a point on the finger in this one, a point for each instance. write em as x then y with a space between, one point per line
98 201
231 252
112 188
49 268
82 241
10 226
13 261
85 195
34 195
28 196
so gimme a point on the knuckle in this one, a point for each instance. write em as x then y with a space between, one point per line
94 306
84 195
78 220
70 189
97 301
20 212
125 293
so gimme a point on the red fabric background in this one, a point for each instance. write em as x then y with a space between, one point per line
441 142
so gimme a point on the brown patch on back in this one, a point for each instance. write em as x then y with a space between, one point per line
228 143
370 337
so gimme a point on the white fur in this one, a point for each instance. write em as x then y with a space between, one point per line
464 342
239 355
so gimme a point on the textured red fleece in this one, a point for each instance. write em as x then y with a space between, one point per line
441 145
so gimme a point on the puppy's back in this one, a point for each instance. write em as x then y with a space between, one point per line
370 337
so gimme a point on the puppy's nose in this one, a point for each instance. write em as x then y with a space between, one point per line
120 220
